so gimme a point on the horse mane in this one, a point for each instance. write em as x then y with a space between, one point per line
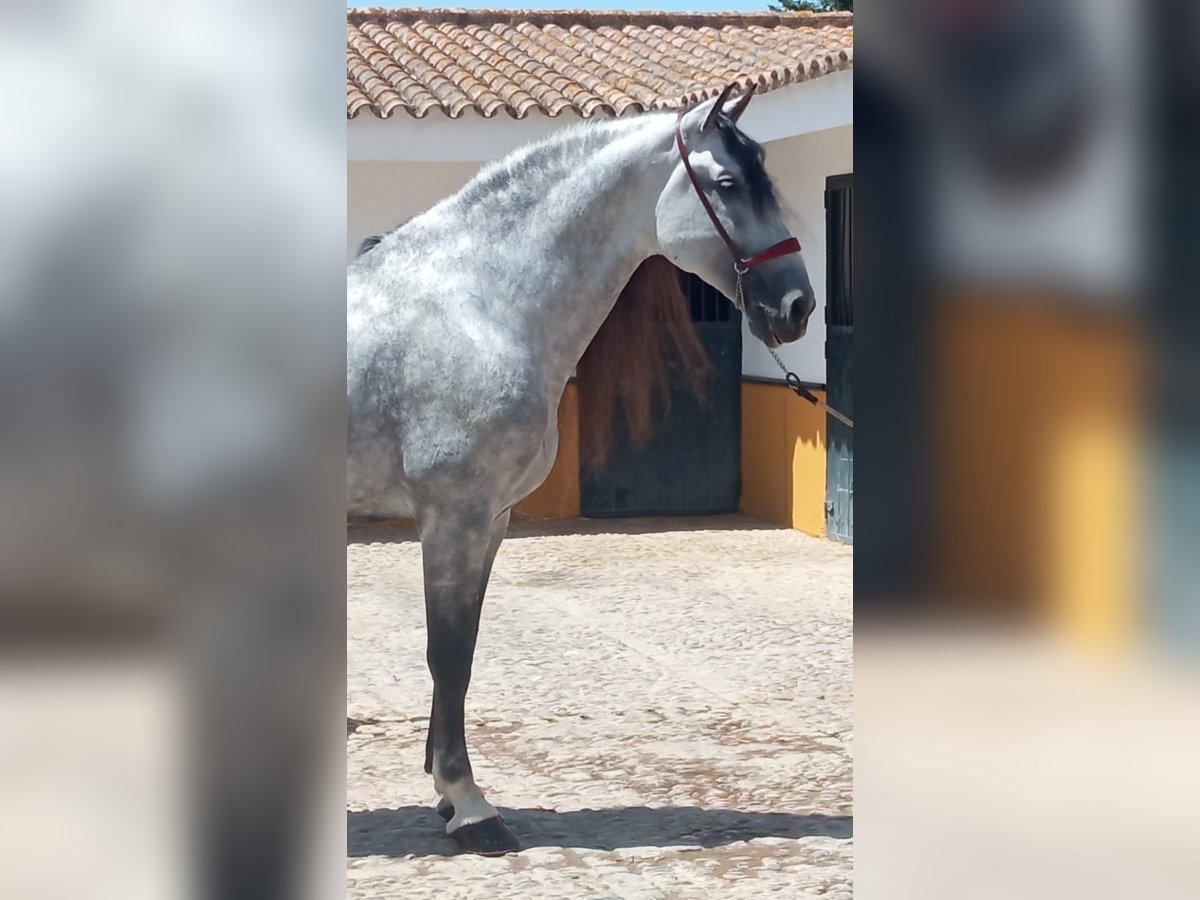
648 334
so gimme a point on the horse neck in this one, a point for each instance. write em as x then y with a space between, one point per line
580 225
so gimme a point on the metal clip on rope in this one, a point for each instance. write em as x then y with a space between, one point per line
793 381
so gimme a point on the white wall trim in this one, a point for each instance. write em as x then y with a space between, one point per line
802 108
796 109
438 138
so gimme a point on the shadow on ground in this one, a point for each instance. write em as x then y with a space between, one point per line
417 831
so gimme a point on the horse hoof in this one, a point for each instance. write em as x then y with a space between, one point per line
445 809
490 837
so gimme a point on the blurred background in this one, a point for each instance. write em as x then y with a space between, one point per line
1027 402
172 205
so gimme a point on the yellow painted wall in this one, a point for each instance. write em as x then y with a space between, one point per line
1036 422
783 458
558 495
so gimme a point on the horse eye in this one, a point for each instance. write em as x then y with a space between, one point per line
726 183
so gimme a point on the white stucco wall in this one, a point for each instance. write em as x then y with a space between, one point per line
800 166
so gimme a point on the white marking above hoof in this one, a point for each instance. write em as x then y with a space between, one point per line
470 809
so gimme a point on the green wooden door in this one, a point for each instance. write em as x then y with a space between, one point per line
839 358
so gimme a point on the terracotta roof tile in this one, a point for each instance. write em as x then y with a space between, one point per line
592 63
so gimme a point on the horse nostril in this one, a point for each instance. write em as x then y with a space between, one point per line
798 306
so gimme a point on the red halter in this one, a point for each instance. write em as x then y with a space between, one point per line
741 264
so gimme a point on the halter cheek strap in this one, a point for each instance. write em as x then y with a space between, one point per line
741 264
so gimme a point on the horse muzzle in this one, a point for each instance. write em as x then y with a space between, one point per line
790 323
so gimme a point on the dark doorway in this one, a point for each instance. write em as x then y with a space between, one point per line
693 464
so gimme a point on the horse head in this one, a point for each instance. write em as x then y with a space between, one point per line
719 211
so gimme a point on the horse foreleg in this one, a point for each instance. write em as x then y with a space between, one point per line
457 553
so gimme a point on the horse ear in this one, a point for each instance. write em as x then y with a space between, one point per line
717 106
739 106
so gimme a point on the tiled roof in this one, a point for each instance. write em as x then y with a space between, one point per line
606 63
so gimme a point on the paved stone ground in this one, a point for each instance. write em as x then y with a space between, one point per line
660 709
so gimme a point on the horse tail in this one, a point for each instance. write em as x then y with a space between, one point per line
648 335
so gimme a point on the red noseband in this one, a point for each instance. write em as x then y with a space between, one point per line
741 263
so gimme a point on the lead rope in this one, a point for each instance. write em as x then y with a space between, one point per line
793 381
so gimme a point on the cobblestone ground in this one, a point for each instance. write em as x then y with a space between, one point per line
660 709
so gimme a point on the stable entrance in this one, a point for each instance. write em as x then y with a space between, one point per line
692 466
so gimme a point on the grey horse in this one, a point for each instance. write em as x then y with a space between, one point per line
465 324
